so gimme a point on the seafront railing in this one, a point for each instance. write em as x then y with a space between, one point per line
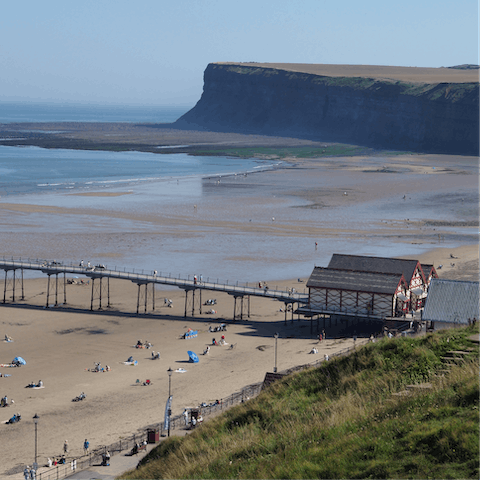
95 457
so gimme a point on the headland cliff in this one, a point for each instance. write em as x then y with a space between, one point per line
404 108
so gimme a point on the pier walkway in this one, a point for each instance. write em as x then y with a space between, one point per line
99 277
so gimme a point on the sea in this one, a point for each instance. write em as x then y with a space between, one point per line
33 170
182 214
53 177
25 112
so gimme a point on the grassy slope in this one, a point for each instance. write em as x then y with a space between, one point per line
342 421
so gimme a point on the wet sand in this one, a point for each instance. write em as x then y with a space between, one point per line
258 227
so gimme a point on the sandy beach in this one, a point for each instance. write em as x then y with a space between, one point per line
269 223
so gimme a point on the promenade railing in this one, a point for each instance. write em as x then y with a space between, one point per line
95 457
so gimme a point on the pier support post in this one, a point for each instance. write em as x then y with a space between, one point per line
236 307
5 287
56 289
96 292
13 298
196 300
48 289
138 297
153 296
91 298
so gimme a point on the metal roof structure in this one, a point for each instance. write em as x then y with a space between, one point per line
451 301
359 281
374 264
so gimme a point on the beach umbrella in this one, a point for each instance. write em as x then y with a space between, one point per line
193 358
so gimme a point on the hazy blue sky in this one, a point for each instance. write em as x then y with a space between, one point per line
155 51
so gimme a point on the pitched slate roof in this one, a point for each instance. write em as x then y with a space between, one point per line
451 301
374 264
372 282
427 269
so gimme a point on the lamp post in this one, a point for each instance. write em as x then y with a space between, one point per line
170 371
276 338
35 421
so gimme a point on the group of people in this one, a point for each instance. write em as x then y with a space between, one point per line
220 342
99 368
141 344
218 328
195 418
35 385
29 473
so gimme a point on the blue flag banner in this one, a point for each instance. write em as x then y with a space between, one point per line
168 408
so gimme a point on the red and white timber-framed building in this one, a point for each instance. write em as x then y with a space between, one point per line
373 287
417 276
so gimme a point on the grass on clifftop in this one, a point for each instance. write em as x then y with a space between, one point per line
342 420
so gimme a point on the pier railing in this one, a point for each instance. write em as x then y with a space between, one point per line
51 267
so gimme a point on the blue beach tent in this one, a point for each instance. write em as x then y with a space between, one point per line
19 361
193 358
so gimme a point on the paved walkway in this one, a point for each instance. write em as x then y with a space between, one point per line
119 464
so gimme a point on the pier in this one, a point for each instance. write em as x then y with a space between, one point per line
99 277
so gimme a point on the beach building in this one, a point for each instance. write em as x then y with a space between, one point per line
340 292
376 288
417 276
451 303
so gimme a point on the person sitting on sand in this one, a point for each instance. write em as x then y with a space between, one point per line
40 383
207 350
130 359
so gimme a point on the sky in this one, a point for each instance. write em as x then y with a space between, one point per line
154 52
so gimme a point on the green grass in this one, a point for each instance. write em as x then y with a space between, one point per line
342 421
334 150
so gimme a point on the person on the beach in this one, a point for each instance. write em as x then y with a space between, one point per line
86 445
26 472
65 447
185 416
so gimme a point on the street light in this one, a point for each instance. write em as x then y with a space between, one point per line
276 338
35 421
170 371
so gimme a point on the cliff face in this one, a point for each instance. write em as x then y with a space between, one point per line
442 117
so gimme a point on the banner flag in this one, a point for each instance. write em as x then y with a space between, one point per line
168 410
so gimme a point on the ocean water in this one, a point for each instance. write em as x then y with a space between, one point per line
33 170
185 215
17 112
